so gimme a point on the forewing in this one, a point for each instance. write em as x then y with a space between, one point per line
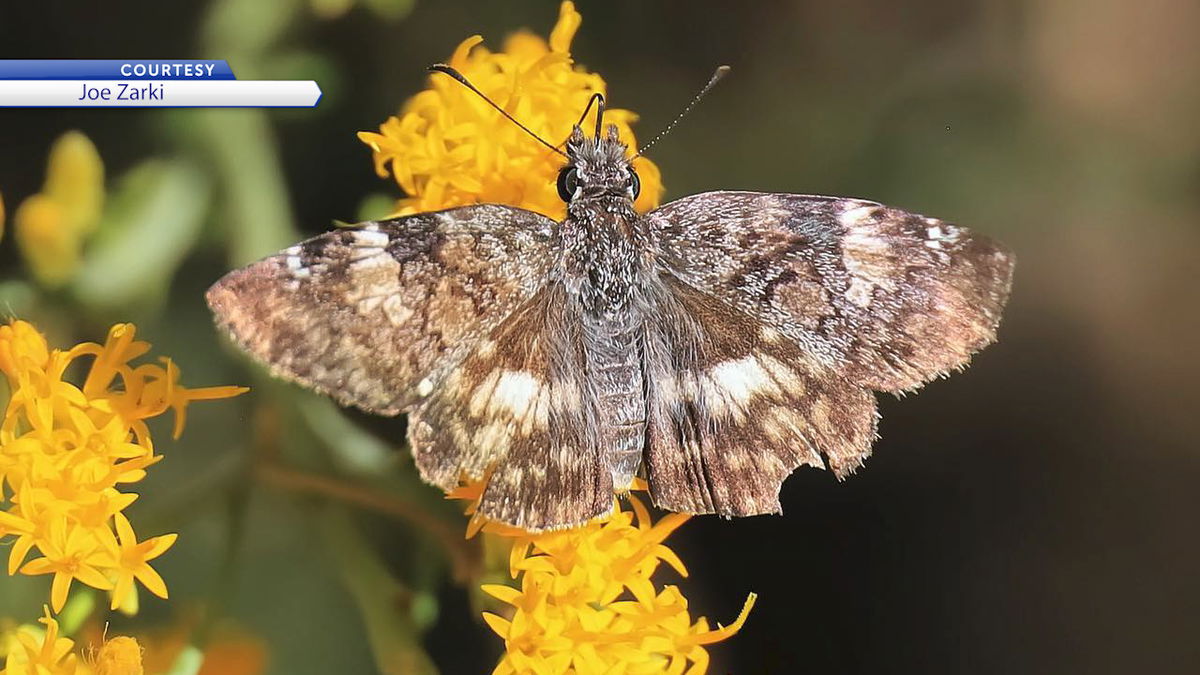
735 407
886 298
377 314
518 413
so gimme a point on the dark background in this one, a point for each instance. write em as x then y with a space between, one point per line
1033 514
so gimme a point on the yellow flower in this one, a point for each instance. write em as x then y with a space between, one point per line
588 603
119 656
44 654
50 248
36 651
228 649
70 553
133 558
448 148
65 450
50 227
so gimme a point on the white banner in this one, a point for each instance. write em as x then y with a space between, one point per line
159 93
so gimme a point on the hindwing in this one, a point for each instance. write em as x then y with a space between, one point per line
735 407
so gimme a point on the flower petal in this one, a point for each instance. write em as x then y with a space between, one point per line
498 624
151 580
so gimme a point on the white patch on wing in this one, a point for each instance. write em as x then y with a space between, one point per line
368 238
741 379
375 281
369 304
857 215
395 310
515 396
938 233
377 259
515 390
425 387
870 261
486 348
295 264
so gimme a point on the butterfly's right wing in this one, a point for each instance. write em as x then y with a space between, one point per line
885 298
776 314
734 407
377 314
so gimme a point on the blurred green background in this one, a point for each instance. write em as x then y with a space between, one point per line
1034 514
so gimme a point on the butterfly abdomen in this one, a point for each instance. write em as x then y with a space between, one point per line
614 362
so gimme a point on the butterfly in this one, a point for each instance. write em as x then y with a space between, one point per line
712 346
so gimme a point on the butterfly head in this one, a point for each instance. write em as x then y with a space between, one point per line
597 167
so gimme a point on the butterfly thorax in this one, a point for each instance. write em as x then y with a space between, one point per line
604 264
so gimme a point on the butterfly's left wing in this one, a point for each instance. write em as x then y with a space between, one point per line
519 413
451 316
886 298
375 315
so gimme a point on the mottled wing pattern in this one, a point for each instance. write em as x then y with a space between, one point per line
734 407
520 412
377 314
886 298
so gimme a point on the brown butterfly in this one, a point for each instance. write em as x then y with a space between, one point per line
712 345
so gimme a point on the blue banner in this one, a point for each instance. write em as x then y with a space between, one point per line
114 69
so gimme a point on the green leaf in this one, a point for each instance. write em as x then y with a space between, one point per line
376 206
257 202
188 662
79 608
246 28
154 219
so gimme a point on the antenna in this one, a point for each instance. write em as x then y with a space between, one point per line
720 72
452 72
596 98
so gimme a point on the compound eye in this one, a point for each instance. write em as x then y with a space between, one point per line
635 183
568 182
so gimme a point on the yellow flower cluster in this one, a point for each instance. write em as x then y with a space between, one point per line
51 226
41 654
67 451
449 148
44 652
588 604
